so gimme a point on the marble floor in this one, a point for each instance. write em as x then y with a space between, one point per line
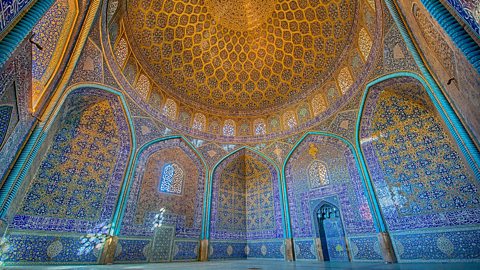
261 265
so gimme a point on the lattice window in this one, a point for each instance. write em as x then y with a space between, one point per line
121 52
317 174
172 179
229 128
364 43
170 109
143 86
260 127
345 79
318 104
199 122
289 120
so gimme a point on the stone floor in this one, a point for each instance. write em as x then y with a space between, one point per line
262 265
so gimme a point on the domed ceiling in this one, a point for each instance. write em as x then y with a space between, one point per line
240 55
245 60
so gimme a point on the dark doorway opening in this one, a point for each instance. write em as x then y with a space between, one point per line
331 233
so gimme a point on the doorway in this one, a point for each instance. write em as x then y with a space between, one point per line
331 233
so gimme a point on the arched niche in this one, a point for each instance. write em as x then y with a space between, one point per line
322 169
426 190
175 237
246 211
457 77
74 182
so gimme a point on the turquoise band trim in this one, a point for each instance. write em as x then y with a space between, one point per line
378 220
129 177
16 36
457 33
285 215
453 122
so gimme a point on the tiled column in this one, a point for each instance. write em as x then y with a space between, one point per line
318 246
204 250
108 252
387 247
289 249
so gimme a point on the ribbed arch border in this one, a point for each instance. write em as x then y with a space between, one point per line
121 205
16 36
457 33
378 220
36 139
281 184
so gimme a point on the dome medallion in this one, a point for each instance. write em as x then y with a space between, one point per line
240 15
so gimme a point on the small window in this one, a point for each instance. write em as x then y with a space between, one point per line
317 174
171 179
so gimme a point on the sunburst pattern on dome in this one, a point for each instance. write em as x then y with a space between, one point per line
240 55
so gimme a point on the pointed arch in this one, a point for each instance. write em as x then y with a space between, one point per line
128 183
401 106
368 190
319 104
33 145
289 120
270 162
446 112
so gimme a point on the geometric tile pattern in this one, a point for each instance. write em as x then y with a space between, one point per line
182 211
78 181
305 249
33 248
10 10
185 250
161 244
420 177
435 246
345 187
365 248
132 250
423 169
73 178
468 11
245 200
5 114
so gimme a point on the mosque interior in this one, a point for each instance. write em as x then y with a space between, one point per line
148 131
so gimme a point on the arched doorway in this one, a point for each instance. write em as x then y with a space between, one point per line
331 233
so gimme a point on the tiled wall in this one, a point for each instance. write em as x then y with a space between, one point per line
178 236
10 10
76 185
246 217
423 184
15 91
338 183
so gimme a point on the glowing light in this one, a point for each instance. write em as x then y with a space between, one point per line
158 219
95 239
